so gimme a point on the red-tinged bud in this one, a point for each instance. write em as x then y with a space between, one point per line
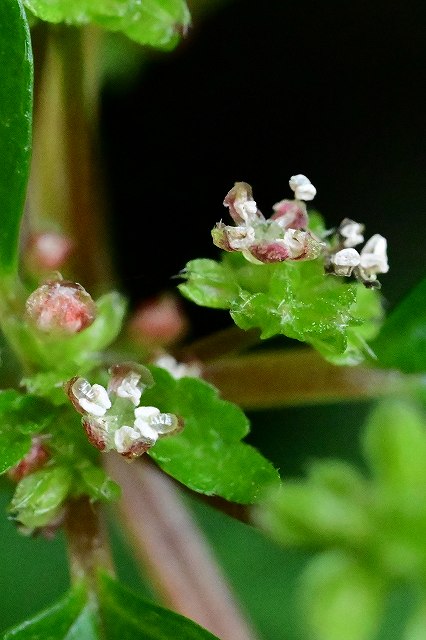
290 214
160 321
59 306
36 457
48 251
242 207
270 251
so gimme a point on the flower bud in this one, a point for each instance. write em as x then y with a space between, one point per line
60 307
266 252
290 214
129 380
48 251
345 261
302 187
160 321
351 232
242 207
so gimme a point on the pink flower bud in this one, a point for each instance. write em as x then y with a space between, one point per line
290 214
270 251
48 251
59 306
160 321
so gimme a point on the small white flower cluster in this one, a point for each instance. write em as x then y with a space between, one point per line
113 419
284 236
364 265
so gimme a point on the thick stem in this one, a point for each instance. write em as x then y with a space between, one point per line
298 376
88 546
173 549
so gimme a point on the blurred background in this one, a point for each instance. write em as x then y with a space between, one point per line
256 92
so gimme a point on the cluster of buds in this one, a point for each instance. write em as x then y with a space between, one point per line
113 418
284 236
345 260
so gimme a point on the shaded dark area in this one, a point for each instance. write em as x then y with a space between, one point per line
258 94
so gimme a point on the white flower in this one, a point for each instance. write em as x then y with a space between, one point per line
374 257
93 399
143 417
177 369
352 232
128 388
302 187
125 437
345 261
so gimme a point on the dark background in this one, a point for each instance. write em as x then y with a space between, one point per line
259 92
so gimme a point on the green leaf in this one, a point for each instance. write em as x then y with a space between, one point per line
16 79
119 614
151 22
39 496
416 624
342 598
72 618
125 616
209 284
207 456
295 299
20 417
24 413
402 341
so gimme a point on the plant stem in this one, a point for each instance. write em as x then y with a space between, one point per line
88 547
172 548
294 377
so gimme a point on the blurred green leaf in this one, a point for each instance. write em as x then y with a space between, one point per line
152 22
342 599
326 509
16 79
401 343
394 444
13 447
208 456
416 624
39 496
97 484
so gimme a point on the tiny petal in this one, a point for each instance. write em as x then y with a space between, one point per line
146 412
290 214
351 232
128 380
302 245
125 438
302 187
146 430
93 400
345 261
60 307
374 256
242 207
